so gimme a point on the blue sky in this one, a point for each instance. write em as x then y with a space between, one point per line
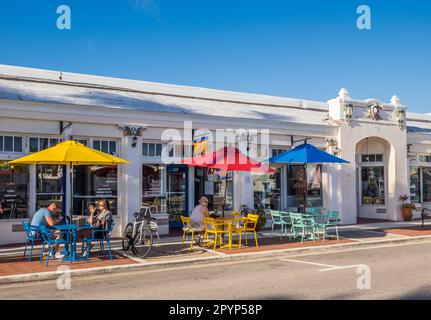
302 49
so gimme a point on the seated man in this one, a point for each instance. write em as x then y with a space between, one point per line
45 217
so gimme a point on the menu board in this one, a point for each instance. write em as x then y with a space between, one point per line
155 187
209 188
104 190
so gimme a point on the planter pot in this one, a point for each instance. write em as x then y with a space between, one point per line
407 214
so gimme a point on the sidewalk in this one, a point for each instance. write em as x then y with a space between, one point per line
168 251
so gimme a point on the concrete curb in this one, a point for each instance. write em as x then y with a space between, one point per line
54 275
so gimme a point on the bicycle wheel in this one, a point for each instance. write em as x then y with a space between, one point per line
127 237
142 243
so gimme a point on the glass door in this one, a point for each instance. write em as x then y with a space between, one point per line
176 193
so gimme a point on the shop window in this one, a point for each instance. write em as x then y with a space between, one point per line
304 186
426 186
211 183
83 141
372 158
373 185
39 144
425 159
152 149
10 144
106 146
276 152
152 186
14 190
93 183
415 187
49 186
267 190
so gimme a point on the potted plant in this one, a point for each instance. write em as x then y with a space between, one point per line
262 218
406 207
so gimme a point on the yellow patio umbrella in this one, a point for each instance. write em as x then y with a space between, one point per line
70 153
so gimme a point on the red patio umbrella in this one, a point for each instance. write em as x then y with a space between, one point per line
228 159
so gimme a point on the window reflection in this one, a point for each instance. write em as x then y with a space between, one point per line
267 190
415 180
426 176
304 184
49 186
14 189
92 183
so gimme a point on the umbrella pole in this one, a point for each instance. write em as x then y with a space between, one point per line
306 188
225 192
71 192
64 183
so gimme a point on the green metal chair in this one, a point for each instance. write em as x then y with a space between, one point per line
276 219
331 220
286 222
304 226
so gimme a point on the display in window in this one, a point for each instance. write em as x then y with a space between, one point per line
373 186
267 190
152 186
415 190
426 177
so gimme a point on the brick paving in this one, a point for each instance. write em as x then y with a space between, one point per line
411 231
17 265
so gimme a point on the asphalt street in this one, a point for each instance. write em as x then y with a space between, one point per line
382 272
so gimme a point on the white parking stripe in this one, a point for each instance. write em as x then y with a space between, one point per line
311 263
328 267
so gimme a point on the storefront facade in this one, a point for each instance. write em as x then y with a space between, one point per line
389 150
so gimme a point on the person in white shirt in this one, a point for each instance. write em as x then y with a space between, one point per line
199 213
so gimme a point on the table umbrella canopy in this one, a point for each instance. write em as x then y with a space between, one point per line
306 154
228 159
70 153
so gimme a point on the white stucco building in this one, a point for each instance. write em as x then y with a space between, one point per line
389 149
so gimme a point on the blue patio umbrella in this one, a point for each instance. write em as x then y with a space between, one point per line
306 154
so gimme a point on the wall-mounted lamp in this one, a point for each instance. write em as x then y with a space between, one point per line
401 117
348 112
332 146
134 132
134 141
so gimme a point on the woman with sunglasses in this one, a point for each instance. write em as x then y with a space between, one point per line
198 215
101 218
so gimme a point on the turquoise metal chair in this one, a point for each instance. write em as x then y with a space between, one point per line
304 226
331 220
285 222
313 210
276 219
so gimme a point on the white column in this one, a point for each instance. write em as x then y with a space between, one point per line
243 188
130 182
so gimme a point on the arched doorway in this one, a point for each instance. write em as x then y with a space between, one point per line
372 162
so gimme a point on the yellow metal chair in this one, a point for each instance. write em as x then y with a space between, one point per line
247 225
188 228
217 229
